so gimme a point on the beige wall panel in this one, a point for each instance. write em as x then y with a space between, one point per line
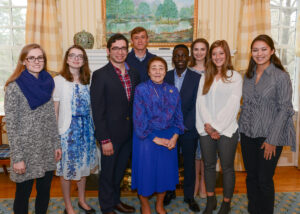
78 15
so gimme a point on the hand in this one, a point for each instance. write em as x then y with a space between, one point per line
57 154
107 149
19 167
269 150
172 142
215 135
208 128
161 141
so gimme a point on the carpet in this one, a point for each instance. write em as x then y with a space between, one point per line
285 203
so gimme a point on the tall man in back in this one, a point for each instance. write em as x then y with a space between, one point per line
186 81
112 91
139 56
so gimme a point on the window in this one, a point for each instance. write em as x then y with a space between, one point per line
12 39
283 30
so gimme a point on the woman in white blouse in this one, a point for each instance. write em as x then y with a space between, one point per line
218 103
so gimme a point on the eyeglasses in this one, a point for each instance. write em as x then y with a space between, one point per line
32 59
74 56
119 49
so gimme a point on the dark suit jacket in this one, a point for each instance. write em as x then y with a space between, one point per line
112 112
188 94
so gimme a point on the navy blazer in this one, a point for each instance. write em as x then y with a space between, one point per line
112 112
188 94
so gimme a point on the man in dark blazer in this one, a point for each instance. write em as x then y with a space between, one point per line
186 81
112 91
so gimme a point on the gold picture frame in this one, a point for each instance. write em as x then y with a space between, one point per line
114 23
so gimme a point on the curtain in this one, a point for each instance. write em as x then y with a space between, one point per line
298 55
43 27
254 19
298 34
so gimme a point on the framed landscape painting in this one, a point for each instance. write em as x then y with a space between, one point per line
168 22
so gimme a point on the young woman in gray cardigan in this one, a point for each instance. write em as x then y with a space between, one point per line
31 129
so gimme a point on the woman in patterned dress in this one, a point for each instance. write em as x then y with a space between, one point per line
72 106
31 129
157 121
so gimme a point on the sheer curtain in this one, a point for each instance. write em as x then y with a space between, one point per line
43 27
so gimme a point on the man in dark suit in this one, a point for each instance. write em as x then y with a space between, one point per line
112 91
186 81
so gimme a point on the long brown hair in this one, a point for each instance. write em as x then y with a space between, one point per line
211 69
84 73
20 67
200 40
274 59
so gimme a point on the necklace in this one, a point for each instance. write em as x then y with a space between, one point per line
156 92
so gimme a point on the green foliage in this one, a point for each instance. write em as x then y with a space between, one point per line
112 8
167 10
170 9
126 8
159 11
143 9
186 12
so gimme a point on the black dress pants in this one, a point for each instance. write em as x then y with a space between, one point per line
23 191
260 172
112 172
188 148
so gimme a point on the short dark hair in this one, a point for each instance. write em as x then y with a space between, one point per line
114 38
181 46
137 30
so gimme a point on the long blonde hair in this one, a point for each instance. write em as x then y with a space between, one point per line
20 67
211 69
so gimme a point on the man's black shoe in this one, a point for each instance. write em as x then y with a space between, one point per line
192 205
168 197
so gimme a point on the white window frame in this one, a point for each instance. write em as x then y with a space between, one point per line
281 27
10 48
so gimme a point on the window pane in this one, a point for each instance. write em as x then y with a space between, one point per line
4 17
275 34
289 3
15 55
293 18
5 58
275 16
288 56
19 16
5 73
19 2
5 36
4 3
19 36
275 2
287 36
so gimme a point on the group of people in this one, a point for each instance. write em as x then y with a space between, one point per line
135 106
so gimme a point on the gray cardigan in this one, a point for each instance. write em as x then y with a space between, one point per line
32 134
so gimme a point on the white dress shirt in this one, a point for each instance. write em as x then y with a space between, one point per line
220 106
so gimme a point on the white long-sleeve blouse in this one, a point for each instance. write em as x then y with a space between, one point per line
220 106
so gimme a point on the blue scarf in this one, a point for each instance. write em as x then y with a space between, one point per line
37 91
